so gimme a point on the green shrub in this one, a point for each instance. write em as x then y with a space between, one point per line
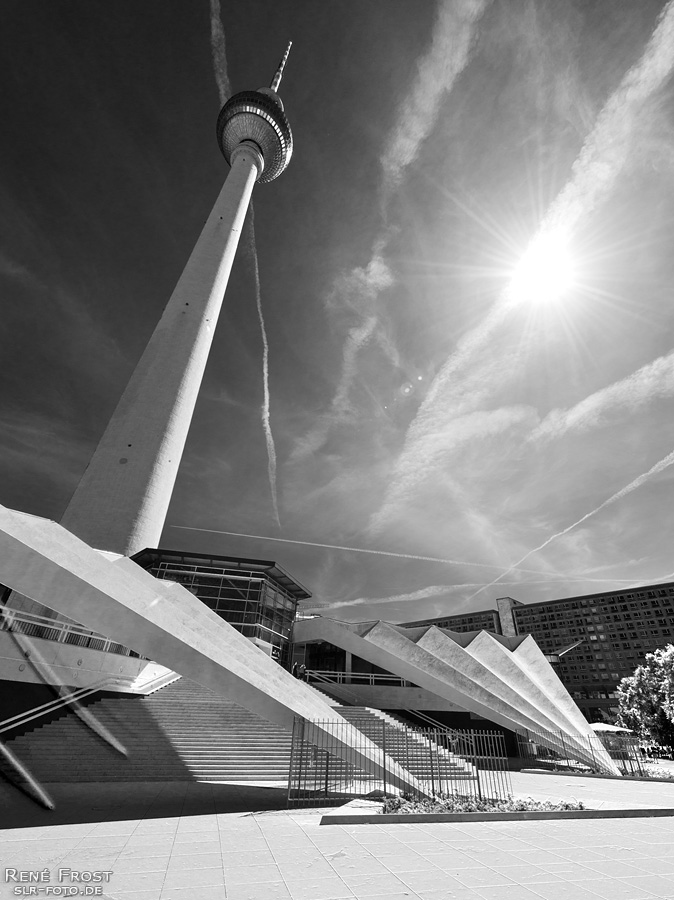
456 803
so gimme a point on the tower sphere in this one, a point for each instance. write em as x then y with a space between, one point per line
257 116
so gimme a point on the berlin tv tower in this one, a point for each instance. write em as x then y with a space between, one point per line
122 500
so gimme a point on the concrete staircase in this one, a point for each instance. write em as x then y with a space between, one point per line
427 760
185 732
422 757
181 732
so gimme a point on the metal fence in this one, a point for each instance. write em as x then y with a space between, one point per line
535 747
443 761
33 626
328 676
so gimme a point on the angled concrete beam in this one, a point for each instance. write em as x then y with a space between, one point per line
167 623
532 659
511 668
433 661
508 686
470 665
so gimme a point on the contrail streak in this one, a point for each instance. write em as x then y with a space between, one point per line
450 562
339 407
452 41
266 424
436 590
623 492
219 54
594 173
651 382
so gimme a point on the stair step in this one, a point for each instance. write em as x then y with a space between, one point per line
183 731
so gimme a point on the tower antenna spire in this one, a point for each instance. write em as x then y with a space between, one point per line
276 81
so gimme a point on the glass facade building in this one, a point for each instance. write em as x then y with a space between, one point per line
256 597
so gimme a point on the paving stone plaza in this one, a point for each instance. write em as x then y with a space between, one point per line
202 841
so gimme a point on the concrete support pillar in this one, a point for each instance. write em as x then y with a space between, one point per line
123 497
504 606
347 665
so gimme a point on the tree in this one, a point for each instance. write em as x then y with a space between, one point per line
646 699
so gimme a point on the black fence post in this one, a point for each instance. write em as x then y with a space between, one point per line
327 769
383 746
474 742
407 748
430 756
566 754
591 746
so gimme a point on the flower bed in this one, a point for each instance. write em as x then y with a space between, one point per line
455 803
653 770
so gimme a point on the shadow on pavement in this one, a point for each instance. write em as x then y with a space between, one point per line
114 801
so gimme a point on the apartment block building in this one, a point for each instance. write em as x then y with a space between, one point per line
613 631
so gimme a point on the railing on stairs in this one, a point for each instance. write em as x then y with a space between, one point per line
68 699
463 745
321 677
16 772
369 678
31 625
318 775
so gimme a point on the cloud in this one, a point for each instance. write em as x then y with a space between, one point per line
637 482
10 268
79 342
605 151
356 292
41 460
440 590
593 176
649 383
449 53
421 594
439 445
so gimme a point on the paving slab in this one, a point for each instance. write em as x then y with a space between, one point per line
239 842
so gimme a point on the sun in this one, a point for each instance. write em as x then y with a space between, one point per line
545 272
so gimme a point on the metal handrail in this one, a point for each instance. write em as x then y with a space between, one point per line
338 689
419 734
46 708
370 678
456 735
9 616
23 616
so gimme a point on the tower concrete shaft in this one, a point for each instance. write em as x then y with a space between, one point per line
123 497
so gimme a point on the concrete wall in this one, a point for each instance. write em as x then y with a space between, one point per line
66 664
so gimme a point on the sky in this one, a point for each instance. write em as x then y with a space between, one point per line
444 368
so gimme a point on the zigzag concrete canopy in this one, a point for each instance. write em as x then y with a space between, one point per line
505 680
166 623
